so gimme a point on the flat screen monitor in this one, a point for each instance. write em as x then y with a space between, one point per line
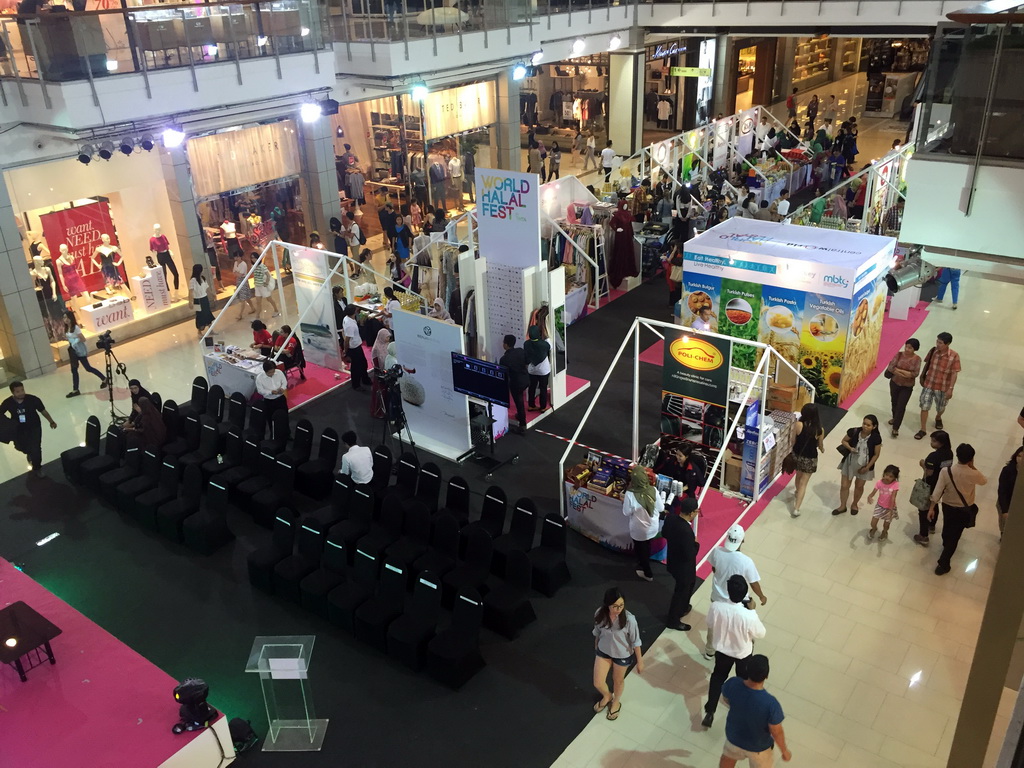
480 379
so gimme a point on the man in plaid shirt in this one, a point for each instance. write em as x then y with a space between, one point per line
941 367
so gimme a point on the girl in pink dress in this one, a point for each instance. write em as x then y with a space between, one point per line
885 509
416 216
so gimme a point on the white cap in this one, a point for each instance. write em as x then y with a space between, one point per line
733 538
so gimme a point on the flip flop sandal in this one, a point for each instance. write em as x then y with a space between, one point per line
920 435
613 714
854 510
599 706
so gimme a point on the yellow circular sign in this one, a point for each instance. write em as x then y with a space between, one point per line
696 354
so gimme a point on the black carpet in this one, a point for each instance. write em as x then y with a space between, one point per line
195 615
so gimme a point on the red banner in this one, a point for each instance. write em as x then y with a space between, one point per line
80 229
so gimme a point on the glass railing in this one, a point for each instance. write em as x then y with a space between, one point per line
972 100
58 45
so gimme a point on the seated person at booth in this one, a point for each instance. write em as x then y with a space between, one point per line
291 353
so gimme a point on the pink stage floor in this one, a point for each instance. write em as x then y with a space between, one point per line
319 381
100 705
573 385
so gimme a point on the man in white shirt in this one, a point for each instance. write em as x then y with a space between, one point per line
357 462
736 626
780 208
727 561
354 348
272 385
607 156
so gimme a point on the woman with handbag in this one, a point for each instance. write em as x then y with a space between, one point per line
861 449
955 490
674 276
921 495
808 443
902 372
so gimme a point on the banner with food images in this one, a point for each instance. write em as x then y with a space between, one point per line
700 293
782 320
738 317
868 312
822 344
695 388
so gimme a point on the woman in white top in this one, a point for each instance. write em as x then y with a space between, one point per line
78 353
643 505
200 299
616 645
589 156
243 293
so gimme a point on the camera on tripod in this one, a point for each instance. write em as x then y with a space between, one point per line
105 341
391 376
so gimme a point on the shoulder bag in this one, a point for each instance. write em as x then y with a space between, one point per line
891 367
972 509
843 450
789 462
927 363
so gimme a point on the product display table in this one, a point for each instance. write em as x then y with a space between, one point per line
233 371
107 314
24 632
599 517
151 288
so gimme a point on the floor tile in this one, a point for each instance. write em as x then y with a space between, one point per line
910 724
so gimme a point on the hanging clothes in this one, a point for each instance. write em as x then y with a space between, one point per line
622 261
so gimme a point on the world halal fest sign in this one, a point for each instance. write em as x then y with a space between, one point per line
508 216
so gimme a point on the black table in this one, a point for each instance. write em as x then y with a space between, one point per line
23 632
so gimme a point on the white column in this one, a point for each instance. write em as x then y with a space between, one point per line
507 151
319 175
625 99
188 245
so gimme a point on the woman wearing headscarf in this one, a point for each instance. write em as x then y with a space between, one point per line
136 390
438 312
148 431
378 355
643 505
622 263
538 365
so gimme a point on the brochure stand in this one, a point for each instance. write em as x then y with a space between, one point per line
282 663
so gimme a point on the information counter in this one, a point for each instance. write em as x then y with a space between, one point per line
599 517
233 372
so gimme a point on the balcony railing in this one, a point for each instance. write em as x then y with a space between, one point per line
61 46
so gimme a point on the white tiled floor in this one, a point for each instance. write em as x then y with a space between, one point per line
850 621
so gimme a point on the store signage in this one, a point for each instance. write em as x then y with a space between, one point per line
696 353
109 314
80 228
458 109
695 388
667 49
508 217
690 72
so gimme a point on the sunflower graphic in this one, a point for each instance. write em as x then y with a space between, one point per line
832 377
807 362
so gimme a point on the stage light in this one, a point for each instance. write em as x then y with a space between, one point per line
419 92
106 150
615 43
578 46
261 40
147 142
310 112
212 50
127 145
329 107
518 72
85 154
10 642
304 31
194 712
173 136
112 65
537 58
913 271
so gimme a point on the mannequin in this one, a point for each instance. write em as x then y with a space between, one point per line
37 246
229 231
161 248
71 283
49 299
107 258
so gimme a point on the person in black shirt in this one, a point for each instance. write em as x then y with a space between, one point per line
518 378
940 457
1007 481
682 561
24 410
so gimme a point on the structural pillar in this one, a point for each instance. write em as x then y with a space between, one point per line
625 106
25 346
319 174
507 146
188 245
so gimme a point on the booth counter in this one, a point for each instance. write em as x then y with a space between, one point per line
599 517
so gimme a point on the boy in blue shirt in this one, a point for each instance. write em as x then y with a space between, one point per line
754 725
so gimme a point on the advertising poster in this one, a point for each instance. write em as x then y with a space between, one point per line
317 333
782 319
695 388
867 313
747 122
435 411
508 217
826 323
738 317
80 229
700 291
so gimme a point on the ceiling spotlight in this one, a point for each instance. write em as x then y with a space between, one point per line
615 43
85 154
261 40
127 145
419 92
173 136
106 150
112 65
147 142
578 46
304 31
537 58
518 72
310 112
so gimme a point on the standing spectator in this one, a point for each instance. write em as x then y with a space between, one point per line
354 349
940 457
955 490
538 365
199 289
272 386
682 561
735 625
885 510
836 165
24 410
674 274
727 561
401 237
902 372
554 161
616 645
685 464
830 110
357 461
243 293
534 164
812 110
807 444
353 234
387 218
607 156
391 306
78 353
941 368
791 104
1007 481
893 218
754 724
864 446
948 277
263 280
590 155
514 359
643 505
780 206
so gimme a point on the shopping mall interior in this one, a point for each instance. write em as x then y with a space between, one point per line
705 225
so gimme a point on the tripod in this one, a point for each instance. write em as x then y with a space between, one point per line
112 365
389 402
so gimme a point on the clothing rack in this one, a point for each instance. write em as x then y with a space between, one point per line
571 244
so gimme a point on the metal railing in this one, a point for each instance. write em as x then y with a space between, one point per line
59 46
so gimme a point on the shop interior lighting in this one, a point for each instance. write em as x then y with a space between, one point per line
173 136
615 43
310 112
127 145
304 31
106 150
419 92
519 71
261 40
578 46
85 154
111 65
212 50
147 142
537 58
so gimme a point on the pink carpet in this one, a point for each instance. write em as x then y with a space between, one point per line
573 384
654 354
319 381
101 705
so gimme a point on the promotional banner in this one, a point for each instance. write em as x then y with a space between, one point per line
80 229
823 343
741 310
700 291
695 388
317 331
508 217
868 311
438 416
782 320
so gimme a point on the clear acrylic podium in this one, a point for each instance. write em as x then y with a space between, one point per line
283 666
